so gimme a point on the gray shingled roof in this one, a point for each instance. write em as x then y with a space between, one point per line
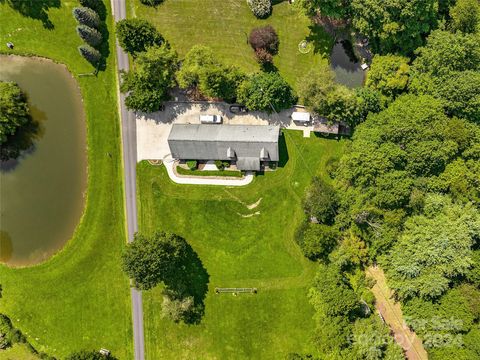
220 142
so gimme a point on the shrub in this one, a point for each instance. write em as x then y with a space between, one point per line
264 38
177 309
260 8
263 56
151 2
86 16
89 35
192 164
91 54
219 164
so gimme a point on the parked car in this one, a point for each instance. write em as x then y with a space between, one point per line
238 109
211 119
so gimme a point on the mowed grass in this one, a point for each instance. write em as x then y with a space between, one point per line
239 247
224 25
79 298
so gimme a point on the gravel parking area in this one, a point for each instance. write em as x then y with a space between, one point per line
153 128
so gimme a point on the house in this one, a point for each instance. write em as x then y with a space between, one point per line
246 146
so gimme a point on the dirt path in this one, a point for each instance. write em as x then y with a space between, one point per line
392 314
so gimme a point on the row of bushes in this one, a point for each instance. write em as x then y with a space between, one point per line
89 28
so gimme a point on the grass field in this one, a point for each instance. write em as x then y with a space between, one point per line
80 298
239 247
224 25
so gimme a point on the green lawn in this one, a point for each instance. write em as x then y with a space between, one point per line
79 298
224 25
238 251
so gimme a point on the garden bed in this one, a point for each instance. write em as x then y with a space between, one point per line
217 173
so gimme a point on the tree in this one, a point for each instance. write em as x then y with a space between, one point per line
465 16
260 8
14 112
371 340
332 294
447 67
435 248
395 25
332 9
202 72
263 56
86 16
352 252
320 202
368 101
266 92
149 260
445 53
148 84
317 240
90 35
388 74
323 96
265 38
91 54
137 35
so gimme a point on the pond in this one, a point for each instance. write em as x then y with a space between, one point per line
42 192
346 65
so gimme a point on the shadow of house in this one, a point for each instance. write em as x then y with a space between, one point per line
35 9
282 150
191 280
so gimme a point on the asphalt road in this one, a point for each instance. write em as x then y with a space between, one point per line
129 141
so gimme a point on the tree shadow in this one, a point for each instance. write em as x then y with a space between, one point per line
35 9
321 41
104 47
268 67
191 279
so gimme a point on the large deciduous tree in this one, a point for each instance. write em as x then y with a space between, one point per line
202 72
388 74
465 16
395 25
448 68
14 111
150 260
323 96
266 92
150 80
137 35
434 248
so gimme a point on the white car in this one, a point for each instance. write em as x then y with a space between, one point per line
211 119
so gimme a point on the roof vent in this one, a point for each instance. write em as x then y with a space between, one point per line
230 153
263 154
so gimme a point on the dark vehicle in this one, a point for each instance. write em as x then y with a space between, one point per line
238 109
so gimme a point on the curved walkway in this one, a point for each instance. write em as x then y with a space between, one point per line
169 165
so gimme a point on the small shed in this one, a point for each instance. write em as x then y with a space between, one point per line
300 116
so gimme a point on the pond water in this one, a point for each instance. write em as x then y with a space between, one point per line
346 65
42 193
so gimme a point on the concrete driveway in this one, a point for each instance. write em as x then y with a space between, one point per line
153 128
